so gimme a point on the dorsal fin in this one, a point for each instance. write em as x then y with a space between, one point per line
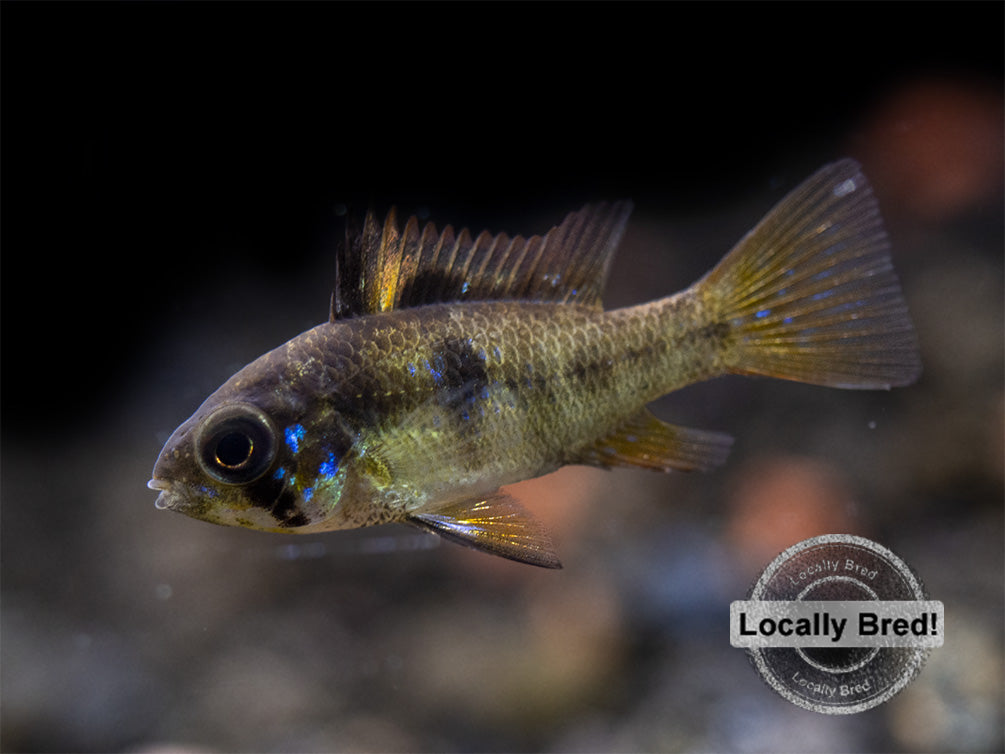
381 269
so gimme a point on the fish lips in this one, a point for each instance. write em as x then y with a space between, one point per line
168 469
169 499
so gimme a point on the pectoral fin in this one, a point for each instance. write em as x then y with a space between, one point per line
496 524
646 442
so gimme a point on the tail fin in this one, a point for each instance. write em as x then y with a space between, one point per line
810 293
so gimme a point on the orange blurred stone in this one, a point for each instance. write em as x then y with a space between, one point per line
934 147
779 501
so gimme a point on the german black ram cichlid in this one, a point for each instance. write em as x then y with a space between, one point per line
453 365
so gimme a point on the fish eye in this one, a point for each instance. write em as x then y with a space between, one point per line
234 450
236 444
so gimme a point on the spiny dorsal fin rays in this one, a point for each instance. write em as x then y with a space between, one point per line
398 269
353 269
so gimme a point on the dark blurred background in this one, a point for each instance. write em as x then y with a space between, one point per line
173 182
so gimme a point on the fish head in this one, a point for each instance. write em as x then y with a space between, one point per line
258 454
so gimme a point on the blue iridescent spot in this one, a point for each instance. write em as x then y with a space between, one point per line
308 493
465 287
294 435
763 313
411 368
329 467
280 473
436 368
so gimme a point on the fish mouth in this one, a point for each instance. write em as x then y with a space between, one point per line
167 500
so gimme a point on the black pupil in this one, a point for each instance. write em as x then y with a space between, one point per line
234 449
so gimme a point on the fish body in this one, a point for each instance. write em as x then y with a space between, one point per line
452 366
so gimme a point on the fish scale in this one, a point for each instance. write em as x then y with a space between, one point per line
454 364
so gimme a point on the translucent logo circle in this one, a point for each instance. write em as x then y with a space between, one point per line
837 624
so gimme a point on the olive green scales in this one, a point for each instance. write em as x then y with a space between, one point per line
454 365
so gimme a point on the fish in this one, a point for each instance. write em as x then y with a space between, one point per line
452 365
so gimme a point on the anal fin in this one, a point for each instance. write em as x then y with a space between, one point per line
646 442
496 524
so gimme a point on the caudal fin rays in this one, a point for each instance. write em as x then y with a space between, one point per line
810 293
